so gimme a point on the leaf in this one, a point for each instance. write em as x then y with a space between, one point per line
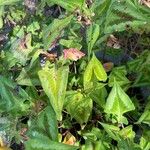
99 95
144 144
54 83
111 130
29 76
145 117
94 66
69 139
127 132
100 7
73 54
53 31
119 73
45 123
69 5
70 43
79 107
99 69
41 142
92 36
21 48
118 102
8 2
12 99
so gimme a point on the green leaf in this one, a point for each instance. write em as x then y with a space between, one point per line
145 117
53 31
29 76
8 2
12 99
99 95
118 102
144 144
70 43
100 7
127 145
94 67
54 83
111 130
99 70
41 142
45 123
119 73
70 5
79 107
33 27
20 51
92 36
127 132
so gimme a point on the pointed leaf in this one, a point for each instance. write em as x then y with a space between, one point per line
79 107
94 66
54 83
53 31
99 70
118 102
92 36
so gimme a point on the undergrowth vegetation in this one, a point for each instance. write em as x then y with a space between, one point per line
75 74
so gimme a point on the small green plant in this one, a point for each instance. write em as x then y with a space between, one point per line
67 82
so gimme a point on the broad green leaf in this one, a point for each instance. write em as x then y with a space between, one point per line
53 31
94 67
100 7
20 51
127 145
127 132
99 95
111 130
87 76
92 36
33 28
8 2
144 144
118 102
145 117
99 70
70 43
42 142
29 76
12 100
45 123
54 82
70 5
119 73
78 106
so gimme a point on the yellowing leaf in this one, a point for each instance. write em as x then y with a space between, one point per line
69 139
54 83
94 66
98 69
